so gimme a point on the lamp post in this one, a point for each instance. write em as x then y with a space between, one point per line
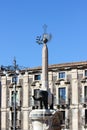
13 72
15 82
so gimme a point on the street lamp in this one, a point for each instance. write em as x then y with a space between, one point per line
15 82
13 70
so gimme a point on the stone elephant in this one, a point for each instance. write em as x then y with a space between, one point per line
42 96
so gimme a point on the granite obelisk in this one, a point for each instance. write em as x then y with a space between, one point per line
45 67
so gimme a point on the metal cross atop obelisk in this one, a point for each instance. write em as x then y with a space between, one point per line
45 37
45 28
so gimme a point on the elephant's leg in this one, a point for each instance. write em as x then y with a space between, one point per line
46 104
41 106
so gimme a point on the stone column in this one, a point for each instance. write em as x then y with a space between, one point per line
3 102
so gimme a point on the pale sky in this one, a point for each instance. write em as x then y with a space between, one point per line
21 21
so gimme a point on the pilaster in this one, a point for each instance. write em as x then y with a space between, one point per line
25 102
25 90
3 102
51 81
25 120
74 100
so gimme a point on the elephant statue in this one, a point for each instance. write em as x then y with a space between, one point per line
43 97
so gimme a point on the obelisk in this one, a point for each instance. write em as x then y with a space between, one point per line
45 67
40 117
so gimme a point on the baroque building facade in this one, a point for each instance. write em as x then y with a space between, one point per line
67 82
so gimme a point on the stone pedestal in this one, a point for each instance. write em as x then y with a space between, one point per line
41 119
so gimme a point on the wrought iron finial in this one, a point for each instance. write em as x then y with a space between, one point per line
15 64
